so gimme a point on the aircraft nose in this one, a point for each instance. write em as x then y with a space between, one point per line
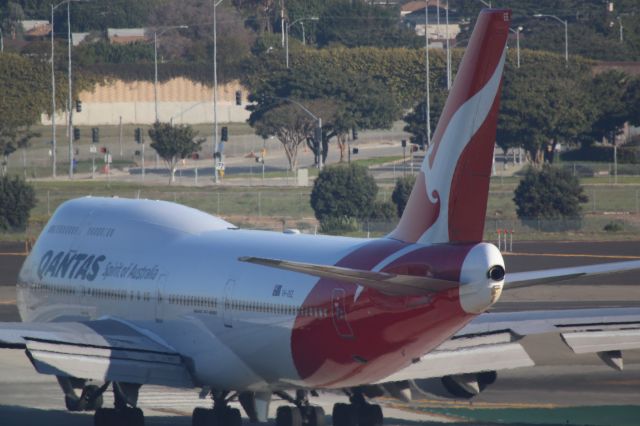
481 278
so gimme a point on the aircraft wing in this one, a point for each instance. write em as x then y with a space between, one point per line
106 350
505 340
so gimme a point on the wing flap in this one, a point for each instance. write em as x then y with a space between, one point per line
602 341
388 283
108 349
108 364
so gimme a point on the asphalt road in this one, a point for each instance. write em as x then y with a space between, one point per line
561 380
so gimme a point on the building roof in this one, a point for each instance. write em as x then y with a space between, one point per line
35 28
125 35
413 6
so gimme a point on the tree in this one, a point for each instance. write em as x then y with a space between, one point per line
17 198
608 91
632 101
290 124
401 192
343 192
549 193
174 143
543 103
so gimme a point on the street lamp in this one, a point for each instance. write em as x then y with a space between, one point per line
488 4
155 63
517 33
1 42
621 28
428 100
566 34
53 92
215 89
287 27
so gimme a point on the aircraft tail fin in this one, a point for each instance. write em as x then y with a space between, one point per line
449 199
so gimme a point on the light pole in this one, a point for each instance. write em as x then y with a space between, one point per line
566 34
155 63
426 49
488 4
286 38
1 42
621 28
215 89
517 33
448 48
53 88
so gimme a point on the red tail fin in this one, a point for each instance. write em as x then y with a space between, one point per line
449 199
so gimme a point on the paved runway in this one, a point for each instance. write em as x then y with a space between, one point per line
561 380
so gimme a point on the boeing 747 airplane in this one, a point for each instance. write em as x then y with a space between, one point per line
117 293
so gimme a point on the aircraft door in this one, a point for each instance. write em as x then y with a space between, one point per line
227 314
339 313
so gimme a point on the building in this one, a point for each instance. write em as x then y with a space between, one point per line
413 16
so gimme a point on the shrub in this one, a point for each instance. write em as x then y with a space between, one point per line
550 193
17 198
615 226
382 211
338 225
343 191
401 192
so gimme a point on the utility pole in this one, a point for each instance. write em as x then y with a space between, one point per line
70 93
426 49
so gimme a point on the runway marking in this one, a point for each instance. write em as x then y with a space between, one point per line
594 256
434 403
14 254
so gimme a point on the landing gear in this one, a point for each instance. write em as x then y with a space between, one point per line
220 415
358 413
125 412
90 398
302 414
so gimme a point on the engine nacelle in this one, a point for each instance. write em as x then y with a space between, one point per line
460 386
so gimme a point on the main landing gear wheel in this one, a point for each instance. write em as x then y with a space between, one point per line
301 414
214 417
118 417
125 413
220 415
358 413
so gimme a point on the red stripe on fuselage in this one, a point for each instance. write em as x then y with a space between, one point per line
367 339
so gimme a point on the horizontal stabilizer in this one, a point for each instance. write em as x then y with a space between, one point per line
529 278
388 283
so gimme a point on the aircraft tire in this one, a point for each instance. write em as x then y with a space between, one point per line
370 415
344 415
202 417
232 417
315 416
288 416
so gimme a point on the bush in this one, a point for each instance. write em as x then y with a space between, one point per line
17 198
401 192
550 193
615 226
382 211
338 225
343 191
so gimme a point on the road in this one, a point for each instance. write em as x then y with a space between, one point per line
561 380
